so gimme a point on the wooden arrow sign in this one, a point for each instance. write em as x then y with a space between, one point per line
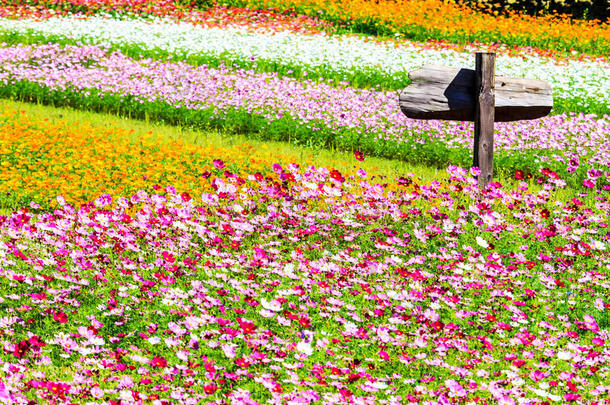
444 93
439 92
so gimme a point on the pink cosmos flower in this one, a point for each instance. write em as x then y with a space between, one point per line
537 375
277 168
455 389
598 342
97 392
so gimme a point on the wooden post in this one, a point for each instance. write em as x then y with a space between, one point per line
459 94
484 116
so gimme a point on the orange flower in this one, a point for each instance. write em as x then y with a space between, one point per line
447 20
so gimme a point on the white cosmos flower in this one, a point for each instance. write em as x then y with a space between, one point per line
229 350
305 348
139 359
273 305
482 242
595 244
265 313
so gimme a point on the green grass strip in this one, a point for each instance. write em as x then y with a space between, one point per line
287 129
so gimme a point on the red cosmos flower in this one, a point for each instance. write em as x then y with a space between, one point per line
210 388
159 361
491 318
519 174
60 317
345 393
241 362
336 174
185 197
21 349
438 326
353 378
226 228
571 386
168 257
304 322
359 155
247 327
36 343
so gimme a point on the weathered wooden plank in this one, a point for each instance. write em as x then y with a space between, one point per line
439 92
484 116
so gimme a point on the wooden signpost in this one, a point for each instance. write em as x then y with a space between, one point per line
439 92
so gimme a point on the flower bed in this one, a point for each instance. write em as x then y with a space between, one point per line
307 285
281 108
578 86
136 271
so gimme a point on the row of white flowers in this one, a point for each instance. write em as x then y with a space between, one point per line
342 53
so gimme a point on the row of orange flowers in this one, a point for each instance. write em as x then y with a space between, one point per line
40 160
441 19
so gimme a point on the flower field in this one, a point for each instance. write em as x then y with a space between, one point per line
308 112
136 269
579 86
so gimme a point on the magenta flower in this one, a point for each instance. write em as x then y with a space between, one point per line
21 349
598 342
159 362
60 317
571 397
